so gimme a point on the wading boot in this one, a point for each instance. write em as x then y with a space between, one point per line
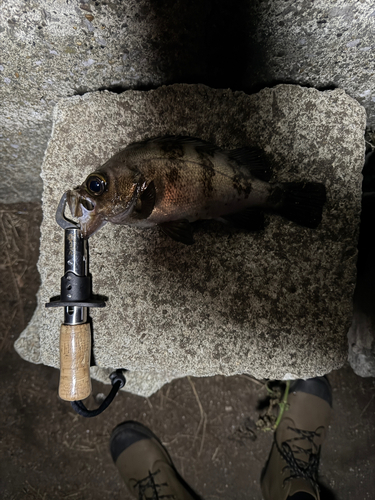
292 467
145 465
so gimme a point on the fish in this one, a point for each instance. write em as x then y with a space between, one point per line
171 182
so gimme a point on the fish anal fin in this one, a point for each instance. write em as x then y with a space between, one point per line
178 230
253 160
251 219
146 202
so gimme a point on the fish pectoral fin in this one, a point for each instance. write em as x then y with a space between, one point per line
253 160
178 230
146 202
251 219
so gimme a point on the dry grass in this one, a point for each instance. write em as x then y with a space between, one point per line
203 419
19 244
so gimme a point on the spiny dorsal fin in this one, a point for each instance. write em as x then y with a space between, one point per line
253 160
180 139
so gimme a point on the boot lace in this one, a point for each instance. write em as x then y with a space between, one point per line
149 485
306 469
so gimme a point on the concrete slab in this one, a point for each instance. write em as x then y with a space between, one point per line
276 304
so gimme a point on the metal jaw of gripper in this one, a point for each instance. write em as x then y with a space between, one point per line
75 294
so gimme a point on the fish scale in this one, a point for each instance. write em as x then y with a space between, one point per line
171 182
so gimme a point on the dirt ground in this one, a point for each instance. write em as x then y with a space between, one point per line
208 425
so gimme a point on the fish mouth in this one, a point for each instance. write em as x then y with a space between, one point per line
83 209
79 205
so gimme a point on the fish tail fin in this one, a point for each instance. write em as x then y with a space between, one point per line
303 203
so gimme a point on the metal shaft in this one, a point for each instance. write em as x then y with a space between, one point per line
75 262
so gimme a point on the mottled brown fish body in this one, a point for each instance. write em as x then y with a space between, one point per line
192 181
174 181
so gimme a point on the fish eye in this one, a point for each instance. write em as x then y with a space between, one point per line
96 184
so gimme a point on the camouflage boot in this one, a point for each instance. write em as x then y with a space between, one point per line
145 465
292 466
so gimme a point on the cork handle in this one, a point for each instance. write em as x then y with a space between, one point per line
75 349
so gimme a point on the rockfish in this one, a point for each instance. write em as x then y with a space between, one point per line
171 182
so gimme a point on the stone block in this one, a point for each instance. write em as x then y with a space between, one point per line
276 304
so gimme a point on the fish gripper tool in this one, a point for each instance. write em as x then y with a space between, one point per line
75 333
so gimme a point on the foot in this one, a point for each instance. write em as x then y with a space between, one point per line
292 468
145 465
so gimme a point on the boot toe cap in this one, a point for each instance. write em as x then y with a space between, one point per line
126 434
318 386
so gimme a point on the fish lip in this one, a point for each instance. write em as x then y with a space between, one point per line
80 204
83 208
72 200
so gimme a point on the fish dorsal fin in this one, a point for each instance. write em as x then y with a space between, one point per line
146 202
251 219
171 142
253 160
200 145
184 139
178 230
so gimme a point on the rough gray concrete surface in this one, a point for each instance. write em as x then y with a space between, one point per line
54 49
275 304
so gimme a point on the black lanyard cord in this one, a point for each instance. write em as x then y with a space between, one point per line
118 381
